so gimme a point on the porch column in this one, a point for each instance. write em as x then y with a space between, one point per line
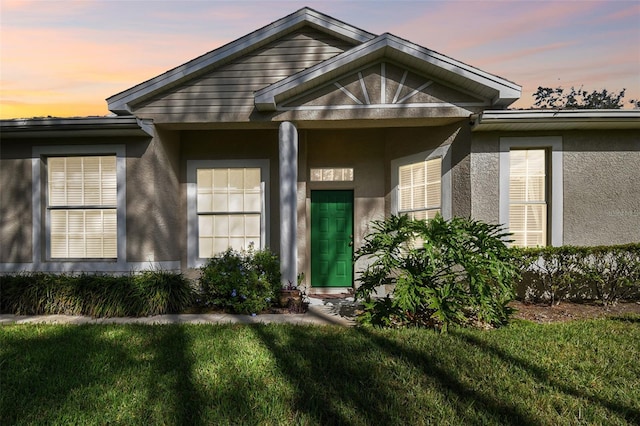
288 157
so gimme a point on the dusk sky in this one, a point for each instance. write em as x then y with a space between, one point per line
63 58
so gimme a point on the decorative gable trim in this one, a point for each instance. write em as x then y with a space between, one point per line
123 102
498 91
381 85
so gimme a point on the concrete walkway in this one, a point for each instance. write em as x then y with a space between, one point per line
319 313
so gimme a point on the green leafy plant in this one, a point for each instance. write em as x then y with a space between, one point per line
446 272
98 295
601 273
242 282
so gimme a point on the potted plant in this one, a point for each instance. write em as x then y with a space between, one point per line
291 295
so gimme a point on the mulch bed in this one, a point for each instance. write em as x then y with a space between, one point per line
567 311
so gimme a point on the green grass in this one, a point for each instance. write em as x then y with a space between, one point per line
583 372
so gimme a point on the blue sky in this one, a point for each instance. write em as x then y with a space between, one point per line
63 58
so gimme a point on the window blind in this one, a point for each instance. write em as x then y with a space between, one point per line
420 189
82 201
528 197
229 207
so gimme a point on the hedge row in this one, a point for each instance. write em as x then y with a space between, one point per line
605 273
96 295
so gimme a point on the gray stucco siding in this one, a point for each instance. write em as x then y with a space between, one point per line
600 183
15 206
601 187
484 176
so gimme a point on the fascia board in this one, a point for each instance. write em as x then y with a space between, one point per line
505 89
562 114
122 102
339 28
558 119
75 127
266 98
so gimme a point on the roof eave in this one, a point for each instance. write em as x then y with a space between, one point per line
557 120
74 127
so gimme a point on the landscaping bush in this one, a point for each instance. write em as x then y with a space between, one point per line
603 273
245 282
97 295
456 272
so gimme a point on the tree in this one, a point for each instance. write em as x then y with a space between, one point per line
549 98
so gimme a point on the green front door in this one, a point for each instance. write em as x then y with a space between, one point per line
331 238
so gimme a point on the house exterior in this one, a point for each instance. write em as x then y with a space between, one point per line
295 137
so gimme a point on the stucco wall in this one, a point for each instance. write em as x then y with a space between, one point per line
15 203
484 176
153 191
601 183
601 187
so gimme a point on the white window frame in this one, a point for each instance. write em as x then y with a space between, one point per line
54 208
193 261
443 152
41 228
554 180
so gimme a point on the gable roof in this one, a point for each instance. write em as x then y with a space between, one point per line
498 91
121 103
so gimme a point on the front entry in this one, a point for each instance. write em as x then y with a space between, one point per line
331 238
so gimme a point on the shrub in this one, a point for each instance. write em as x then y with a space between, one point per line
603 273
456 272
97 295
241 282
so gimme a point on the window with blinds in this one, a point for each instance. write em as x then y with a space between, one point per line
229 206
82 201
528 197
420 189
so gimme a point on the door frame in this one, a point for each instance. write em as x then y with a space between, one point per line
310 242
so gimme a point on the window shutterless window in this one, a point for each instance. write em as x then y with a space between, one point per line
528 197
420 189
82 207
531 189
229 208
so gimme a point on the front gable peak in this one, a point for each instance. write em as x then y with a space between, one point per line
123 102
479 86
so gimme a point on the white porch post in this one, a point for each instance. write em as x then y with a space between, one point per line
288 156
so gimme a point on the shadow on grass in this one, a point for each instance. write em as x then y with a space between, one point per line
331 387
171 383
630 318
382 390
79 374
541 375
459 394
42 375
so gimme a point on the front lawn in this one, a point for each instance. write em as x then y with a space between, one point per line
582 372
